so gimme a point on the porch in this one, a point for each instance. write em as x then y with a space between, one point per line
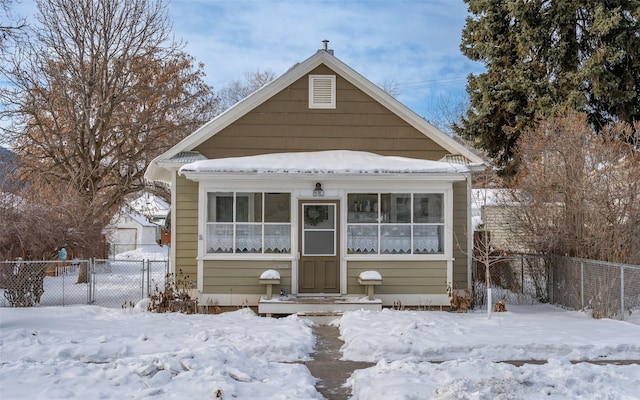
321 305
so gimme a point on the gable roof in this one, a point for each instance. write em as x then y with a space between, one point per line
173 158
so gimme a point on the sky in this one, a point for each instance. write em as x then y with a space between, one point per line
411 43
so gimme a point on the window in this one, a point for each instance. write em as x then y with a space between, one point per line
395 223
248 222
322 91
319 229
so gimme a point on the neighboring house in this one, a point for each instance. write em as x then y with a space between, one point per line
137 224
152 207
493 213
498 212
320 175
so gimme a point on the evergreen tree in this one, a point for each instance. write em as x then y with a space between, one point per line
545 54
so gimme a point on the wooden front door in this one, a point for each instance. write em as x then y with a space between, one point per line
319 267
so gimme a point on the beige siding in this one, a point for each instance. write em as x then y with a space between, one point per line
285 123
242 276
400 277
460 250
503 222
186 219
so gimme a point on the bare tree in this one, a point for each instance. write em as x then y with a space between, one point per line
390 87
486 254
578 190
449 110
237 90
10 27
97 92
42 217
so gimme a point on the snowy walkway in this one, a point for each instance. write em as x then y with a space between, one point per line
327 366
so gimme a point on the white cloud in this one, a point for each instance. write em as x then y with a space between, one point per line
405 42
414 43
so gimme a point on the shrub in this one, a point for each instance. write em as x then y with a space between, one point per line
24 283
174 297
458 301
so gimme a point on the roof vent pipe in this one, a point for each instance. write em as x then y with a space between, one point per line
325 46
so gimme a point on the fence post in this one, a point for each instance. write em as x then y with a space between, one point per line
582 285
94 277
550 261
90 280
142 281
522 273
622 293
146 280
63 283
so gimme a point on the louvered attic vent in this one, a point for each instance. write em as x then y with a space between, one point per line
322 91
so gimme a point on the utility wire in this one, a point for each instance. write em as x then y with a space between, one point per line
432 83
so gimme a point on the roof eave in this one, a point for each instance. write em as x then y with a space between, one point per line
232 114
402 111
409 176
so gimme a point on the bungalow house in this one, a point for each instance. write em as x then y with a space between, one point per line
316 178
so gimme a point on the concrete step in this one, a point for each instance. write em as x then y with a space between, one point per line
316 305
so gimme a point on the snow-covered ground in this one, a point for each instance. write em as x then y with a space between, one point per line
403 343
145 252
92 352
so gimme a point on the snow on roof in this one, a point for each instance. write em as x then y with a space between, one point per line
134 215
150 205
323 162
488 197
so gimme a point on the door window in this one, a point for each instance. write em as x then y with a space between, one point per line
319 229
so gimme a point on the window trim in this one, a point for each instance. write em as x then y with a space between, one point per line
319 85
447 227
204 239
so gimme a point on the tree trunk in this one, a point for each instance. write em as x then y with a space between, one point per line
83 275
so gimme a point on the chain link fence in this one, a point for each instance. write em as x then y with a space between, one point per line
49 283
103 282
122 283
605 290
518 278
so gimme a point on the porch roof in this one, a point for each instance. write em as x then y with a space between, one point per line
342 162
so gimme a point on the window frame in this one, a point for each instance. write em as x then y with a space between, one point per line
443 228
234 224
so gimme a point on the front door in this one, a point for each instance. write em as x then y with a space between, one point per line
319 267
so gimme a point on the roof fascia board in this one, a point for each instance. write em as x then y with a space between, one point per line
232 114
235 176
243 106
296 72
400 109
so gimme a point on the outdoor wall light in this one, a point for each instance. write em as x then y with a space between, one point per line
318 192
